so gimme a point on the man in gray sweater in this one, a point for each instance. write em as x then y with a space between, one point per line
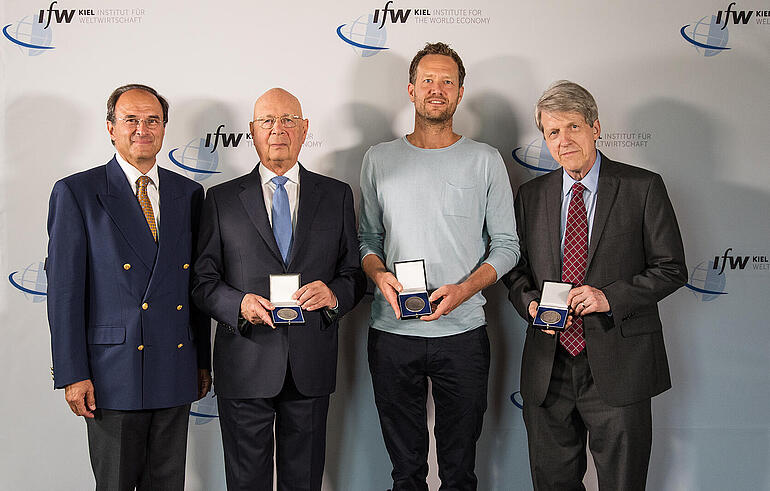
446 199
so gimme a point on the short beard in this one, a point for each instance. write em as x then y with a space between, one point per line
439 118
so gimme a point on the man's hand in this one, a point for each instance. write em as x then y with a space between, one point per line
390 288
586 299
533 305
254 309
80 397
204 382
451 296
314 296
384 279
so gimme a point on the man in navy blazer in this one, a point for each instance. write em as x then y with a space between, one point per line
278 219
129 348
593 382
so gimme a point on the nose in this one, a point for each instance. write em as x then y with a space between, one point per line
435 87
141 127
277 128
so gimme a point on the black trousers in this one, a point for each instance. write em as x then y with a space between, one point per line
300 440
458 367
573 414
145 449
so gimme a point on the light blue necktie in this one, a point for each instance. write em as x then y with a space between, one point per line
281 216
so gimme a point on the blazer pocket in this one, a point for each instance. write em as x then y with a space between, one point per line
640 323
106 335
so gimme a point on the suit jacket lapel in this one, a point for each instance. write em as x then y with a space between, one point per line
309 196
606 193
120 203
553 196
171 222
254 202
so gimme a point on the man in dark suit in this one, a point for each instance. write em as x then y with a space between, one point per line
128 348
608 228
278 219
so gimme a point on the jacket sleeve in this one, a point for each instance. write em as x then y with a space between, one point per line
66 271
210 292
520 283
665 269
349 283
201 323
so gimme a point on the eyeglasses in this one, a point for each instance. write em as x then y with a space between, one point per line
150 123
287 121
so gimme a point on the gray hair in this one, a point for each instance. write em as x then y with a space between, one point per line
566 96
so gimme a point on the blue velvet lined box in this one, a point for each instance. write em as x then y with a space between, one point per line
414 304
413 299
286 311
553 309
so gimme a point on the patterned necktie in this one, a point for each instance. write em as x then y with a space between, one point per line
144 201
574 263
281 216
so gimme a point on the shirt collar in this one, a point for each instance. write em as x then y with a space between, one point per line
132 173
590 180
266 174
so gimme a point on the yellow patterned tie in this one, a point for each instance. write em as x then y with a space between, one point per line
144 200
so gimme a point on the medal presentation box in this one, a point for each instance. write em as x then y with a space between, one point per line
413 299
287 311
553 309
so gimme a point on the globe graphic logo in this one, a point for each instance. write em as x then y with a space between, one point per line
366 37
535 157
205 410
197 161
30 36
706 283
32 281
707 36
517 400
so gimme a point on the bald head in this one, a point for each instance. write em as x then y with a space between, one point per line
277 97
278 146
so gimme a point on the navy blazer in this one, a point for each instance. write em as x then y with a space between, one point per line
635 257
237 254
119 306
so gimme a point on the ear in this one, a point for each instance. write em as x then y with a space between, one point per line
460 93
410 91
111 130
305 128
597 129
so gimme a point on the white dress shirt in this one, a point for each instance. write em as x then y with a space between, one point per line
132 174
291 186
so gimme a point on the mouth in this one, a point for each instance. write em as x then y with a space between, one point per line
436 102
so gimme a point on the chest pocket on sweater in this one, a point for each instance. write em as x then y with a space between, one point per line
458 200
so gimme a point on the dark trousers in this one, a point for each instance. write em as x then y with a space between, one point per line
300 440
145 449
573 413
458 367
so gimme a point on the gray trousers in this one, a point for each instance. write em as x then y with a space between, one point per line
573 414
143 449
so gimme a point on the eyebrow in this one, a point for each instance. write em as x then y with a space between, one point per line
136 115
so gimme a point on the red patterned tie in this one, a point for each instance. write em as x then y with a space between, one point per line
574 263
144 200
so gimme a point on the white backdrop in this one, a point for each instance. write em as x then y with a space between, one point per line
697 115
